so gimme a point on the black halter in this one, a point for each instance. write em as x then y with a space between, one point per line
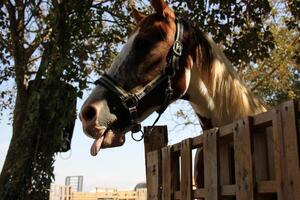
129 101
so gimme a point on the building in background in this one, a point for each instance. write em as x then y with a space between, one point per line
67 193
75 181
60 192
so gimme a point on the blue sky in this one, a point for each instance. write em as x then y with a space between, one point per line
121 167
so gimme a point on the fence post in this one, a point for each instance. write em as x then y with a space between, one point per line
167 172
286 152
186 185
211 164
155 139
244 172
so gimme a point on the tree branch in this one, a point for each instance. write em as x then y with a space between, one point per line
275 68
32 47
31 16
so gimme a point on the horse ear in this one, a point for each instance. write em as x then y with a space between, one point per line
159 6
138 16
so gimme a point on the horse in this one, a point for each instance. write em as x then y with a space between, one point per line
164 59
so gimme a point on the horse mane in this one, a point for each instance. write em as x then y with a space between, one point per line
230 98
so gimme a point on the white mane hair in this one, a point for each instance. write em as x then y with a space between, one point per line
218 93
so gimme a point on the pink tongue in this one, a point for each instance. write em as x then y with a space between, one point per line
95 148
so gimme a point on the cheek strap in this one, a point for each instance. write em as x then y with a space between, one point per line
129 101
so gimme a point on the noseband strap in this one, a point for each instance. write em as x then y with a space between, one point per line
130 101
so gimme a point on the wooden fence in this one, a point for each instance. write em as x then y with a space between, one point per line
255 158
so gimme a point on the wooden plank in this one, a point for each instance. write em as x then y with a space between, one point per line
167 193
265 187
286 154
153 175
226 130
155 138
211 164
263 119
228 190
298 126
260 155
271 151
177 147
199 193
177 195
244 173
224 155
197 141
186 183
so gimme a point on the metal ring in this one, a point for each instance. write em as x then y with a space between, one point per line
137 140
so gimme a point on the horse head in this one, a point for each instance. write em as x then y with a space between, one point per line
151 71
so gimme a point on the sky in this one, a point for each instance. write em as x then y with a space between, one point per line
122 167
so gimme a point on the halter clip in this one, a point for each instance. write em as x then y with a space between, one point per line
177 48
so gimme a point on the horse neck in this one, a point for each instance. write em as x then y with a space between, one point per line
216 92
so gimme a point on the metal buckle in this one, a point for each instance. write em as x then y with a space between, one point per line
177 48
133 113
132 110
131 100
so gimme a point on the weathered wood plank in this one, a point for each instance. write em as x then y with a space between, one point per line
271 151
224 163
186 183
226 130
155 138
265 187
228 190
211 164
197 141
260 155
286 154
199 193
263 119
224 155
167 173
154 175
243 160
177 195
177 147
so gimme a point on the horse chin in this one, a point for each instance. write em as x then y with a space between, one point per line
113 138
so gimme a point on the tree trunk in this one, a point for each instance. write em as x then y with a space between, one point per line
14 174
28 169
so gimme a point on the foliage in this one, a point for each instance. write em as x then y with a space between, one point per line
45 48
277 77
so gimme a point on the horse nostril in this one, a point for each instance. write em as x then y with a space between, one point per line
89 113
